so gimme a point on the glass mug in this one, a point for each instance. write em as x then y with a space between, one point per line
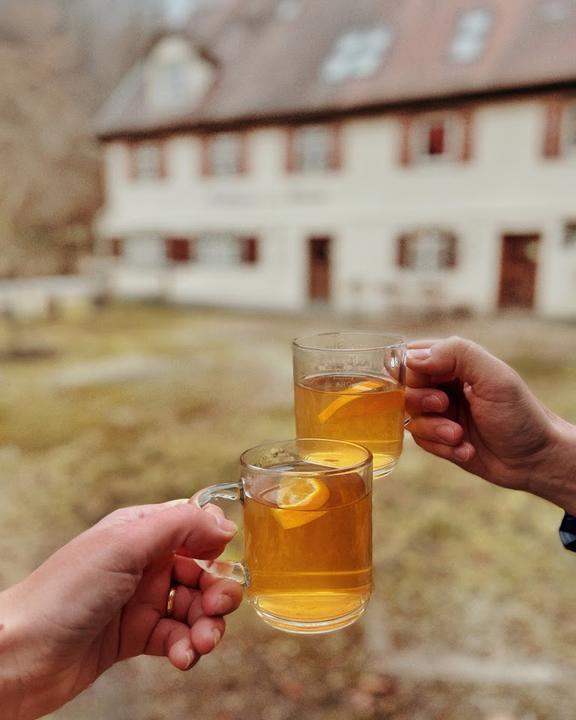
351 386
307 564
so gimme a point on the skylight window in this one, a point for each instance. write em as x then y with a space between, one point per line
471 35
288 9
357 54
557 10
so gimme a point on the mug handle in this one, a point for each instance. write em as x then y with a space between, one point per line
226 569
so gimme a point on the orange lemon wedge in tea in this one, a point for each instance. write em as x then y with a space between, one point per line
347 396
299 501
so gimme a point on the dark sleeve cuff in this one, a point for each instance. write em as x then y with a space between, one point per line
567 532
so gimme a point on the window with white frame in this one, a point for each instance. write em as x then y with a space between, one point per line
471 35
569 129
428 250
314 149
357 54
226 249
224 154
437 137
145 251
147 161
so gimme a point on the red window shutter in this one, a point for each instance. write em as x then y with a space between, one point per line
437 138
335 159
250 250
131 157
467 117
243 149
163 160
451 257
553 128
406 125
402 251
290 149
116 247
205 163
178 250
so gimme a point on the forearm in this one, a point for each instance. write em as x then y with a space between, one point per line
554 477
12 636
24 694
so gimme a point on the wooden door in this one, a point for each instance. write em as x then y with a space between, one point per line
518 270
319 268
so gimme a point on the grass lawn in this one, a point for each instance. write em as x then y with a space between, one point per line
144 403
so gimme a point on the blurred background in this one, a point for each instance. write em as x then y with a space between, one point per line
186 186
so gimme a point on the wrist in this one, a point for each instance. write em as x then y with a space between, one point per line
12 639
554 475
24 694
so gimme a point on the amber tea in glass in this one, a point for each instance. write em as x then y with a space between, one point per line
307 533
351 386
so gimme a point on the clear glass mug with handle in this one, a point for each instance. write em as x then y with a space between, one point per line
307 518
351 386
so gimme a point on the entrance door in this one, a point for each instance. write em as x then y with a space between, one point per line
319 268
519 264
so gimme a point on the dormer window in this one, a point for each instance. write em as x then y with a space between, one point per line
224 155
173 85
471 34
147 161
178 75
357 54
314 149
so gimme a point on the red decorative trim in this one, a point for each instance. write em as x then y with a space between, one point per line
554 109
177 250
243 160
406 131
402 251
336 155
116 247
467 119
290 163
250 250
205 168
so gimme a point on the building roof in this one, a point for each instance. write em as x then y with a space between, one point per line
271 58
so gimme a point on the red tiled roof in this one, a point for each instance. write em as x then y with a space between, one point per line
270 68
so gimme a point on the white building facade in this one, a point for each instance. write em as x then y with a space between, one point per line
464 204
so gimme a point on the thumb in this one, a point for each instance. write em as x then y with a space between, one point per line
454 359
184 528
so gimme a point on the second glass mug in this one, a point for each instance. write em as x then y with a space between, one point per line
351 386
307 564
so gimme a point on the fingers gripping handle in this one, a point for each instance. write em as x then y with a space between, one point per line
226 569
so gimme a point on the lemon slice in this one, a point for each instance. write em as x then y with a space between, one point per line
347 396
299 501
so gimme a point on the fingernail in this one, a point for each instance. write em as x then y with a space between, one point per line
432 403
175 503
446 432
462 453
221 520
217 636
227 525
190 657
419 354
224 604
